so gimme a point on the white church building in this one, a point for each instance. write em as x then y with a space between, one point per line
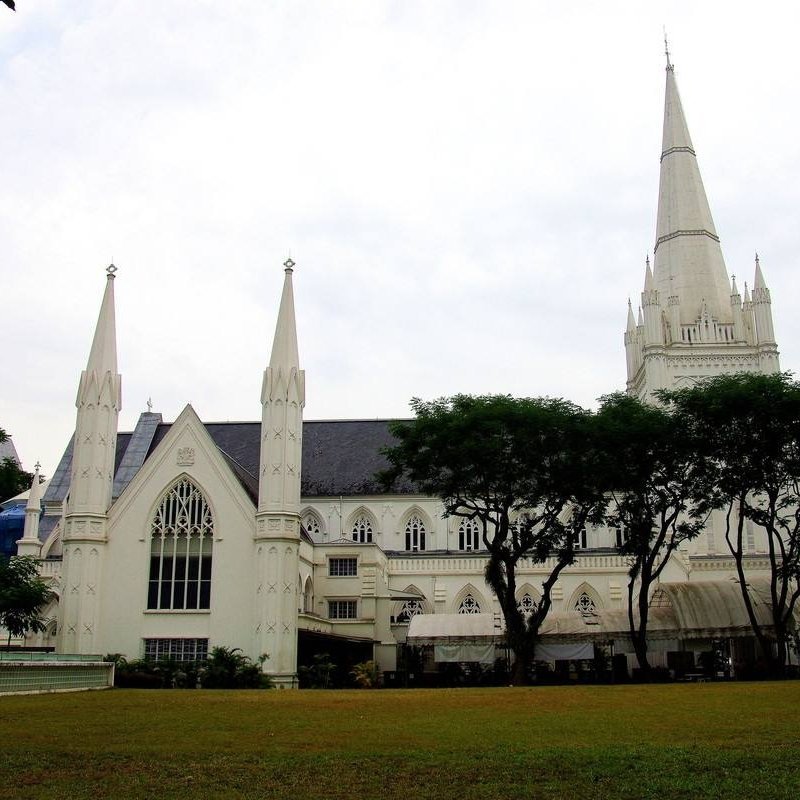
274 535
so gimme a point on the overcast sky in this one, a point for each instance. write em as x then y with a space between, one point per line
468 189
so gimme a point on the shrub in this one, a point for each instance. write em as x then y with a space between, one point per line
365 674
230 668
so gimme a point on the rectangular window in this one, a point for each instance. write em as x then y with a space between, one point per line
343 567
621 536
342 609
579 541
176 649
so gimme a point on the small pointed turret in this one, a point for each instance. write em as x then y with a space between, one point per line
762 309
688 257
631 326
284 345
640 321
99 401
736 311
282 399
29 544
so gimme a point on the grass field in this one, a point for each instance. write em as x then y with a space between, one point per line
674 741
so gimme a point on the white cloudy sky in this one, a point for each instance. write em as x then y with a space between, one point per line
468 189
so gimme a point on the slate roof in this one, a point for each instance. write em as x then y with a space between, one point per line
340 457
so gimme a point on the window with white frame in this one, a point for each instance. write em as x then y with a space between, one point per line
182 535
469 535
343 567
410 609
585 604
176 649
415 534
362 529
620 536
579 540
469 605
342 609
526 605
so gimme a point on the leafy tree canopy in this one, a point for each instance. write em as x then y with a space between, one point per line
23 596
13 479
525 469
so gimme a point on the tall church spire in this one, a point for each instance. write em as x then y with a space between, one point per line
688 257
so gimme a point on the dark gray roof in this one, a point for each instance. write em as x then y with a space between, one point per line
340 457
59 483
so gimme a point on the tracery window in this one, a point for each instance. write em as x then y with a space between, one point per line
312 526
182 535
469 605
526 605
585 604
468 535
415 534
410 609
362 529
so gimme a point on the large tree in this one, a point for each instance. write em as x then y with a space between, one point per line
658 496
23 596
13 479
525 469
750 426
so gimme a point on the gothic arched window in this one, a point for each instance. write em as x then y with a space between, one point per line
410 609
415 534
182 535
469 605
362 529
468 535
585 604
526 605
312 526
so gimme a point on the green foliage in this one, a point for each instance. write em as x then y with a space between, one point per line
23 595
225 668
319 675
365 674
748 427
230 668
526 469
658 481
13 479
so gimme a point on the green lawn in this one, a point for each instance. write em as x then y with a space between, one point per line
674 741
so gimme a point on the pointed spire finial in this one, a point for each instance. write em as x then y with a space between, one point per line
110 270
757 262
288 264
666 50
37 466
647 259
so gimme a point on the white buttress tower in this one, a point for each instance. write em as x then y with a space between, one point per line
277 537
86 515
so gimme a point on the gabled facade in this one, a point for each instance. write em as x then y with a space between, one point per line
274 536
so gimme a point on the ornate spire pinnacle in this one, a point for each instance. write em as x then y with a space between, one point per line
734 288
35 494
284 345
666 51
688 258
103 355
631 326
759 282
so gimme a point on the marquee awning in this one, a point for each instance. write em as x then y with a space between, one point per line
454 629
